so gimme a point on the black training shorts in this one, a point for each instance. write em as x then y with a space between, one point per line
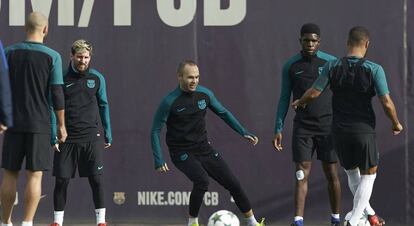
86 156
304 146
34 147
356 150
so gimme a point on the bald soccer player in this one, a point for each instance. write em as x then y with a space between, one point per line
35 78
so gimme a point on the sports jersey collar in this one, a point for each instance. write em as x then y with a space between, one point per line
309 57
33 42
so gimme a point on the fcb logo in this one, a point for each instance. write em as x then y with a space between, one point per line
202 104
119 198
90 83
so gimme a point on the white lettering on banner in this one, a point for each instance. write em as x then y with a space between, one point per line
66 13
174 17
122 12
214 16
173 198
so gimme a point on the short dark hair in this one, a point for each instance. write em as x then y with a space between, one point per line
310 28
358 35
182 64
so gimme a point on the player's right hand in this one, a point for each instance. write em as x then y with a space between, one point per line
397 128
163 168
62 134
56 147
277 142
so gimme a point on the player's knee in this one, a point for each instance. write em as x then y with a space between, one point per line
61 182
95 180
201 184
300 175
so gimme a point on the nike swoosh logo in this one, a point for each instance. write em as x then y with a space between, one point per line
181 109
70 85
100 167
299 72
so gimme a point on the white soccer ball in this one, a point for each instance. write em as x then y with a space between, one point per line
223 218
363 221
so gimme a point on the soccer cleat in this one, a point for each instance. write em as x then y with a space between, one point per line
335 221
55 224
297 223
194 224
375 220
261 223
102 224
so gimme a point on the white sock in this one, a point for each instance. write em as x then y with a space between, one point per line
335 215
58 217
298 218
100 216
354 177
192 220
27 223
251 221
361 197
3 224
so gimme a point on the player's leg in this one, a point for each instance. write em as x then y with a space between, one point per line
96 184
32 195
8 194
367 156
64 168
91 165
12 158
302 150
59 200
327 155
190 165
217 168
38 150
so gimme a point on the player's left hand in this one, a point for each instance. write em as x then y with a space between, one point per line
2 128
107 145
295 104
253 139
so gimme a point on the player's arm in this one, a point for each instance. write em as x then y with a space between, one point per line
315 91
229 118
6 114
282 107
160 118
58 98
103 105
381 88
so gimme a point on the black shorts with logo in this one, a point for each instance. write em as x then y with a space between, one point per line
304 146
86 156
33 147
356 150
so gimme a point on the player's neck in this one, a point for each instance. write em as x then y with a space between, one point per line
356 52
34 38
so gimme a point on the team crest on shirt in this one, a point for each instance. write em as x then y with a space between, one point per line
202 104
119 198
320 70
90 83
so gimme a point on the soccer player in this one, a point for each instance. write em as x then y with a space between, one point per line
35 78
184 111
6 114
354 81
85 99
312 126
